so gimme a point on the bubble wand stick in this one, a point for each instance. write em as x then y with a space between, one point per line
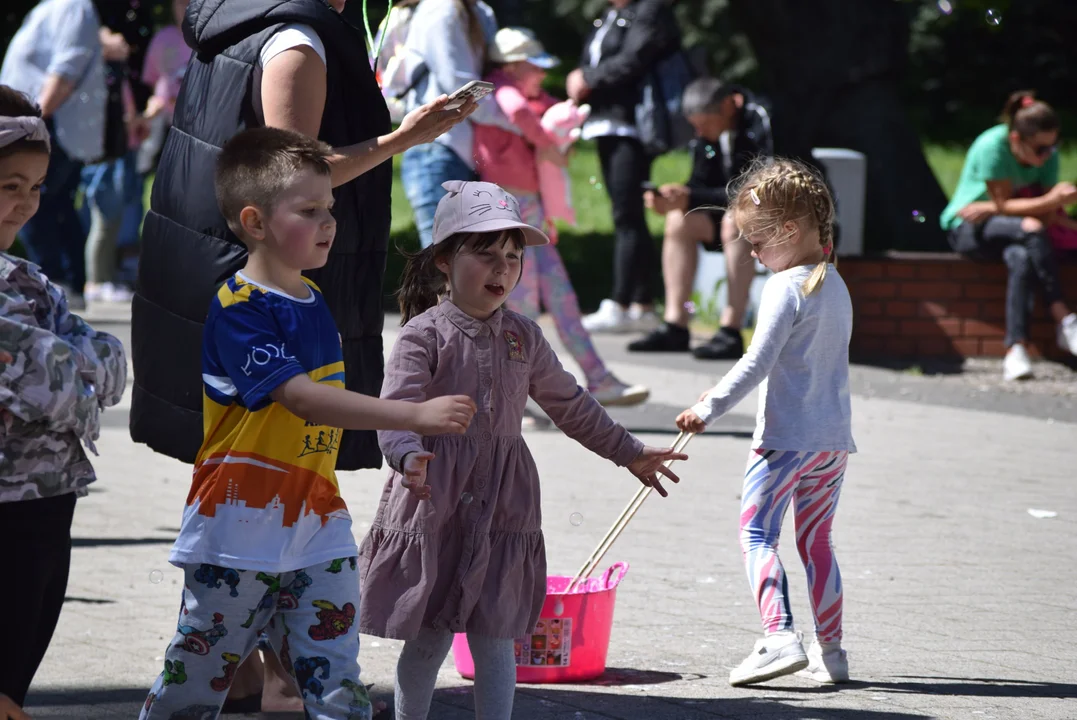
622 520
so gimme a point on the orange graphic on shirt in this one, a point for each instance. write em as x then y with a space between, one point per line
217 482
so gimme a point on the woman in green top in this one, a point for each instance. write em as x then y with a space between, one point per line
987 219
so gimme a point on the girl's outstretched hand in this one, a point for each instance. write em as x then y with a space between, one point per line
688 421
415 474
648 466
450 414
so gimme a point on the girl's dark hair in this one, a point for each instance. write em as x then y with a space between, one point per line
15 104
423 284
1027 116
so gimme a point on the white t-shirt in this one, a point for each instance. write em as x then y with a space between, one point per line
799 357
288 37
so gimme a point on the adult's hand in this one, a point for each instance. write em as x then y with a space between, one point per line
428 122
10 711
675 196
114 47
977 212
1065 192
576 86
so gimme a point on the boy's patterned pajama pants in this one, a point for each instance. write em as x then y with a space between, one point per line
309 616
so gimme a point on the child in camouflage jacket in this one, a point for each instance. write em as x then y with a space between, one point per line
56 374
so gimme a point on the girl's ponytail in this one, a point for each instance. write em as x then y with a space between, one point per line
1027 116
421 285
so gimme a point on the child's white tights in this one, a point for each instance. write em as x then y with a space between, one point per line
420 660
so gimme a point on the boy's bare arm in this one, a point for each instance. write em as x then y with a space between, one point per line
328 405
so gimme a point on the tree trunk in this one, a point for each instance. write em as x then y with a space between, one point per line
833 70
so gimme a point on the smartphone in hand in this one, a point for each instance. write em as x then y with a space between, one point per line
476 89
648 187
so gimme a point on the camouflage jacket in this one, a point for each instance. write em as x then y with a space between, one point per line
56 373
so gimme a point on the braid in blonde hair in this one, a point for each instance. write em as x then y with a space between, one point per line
774 192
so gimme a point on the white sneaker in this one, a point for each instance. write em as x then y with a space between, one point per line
826 666
1016 365
114 293
775 655
1067 334
612 392
609 318
643 320
94 292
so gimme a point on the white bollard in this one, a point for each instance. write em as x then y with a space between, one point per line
847 171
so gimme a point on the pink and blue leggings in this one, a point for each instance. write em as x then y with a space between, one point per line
544 282
772 480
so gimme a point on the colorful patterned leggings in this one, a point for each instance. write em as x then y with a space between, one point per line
309 616
545 283
771 481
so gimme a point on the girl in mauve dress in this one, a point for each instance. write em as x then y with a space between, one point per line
456 545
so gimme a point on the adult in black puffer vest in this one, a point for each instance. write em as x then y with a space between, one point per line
187 249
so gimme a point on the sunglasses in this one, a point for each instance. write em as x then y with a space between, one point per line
1043 150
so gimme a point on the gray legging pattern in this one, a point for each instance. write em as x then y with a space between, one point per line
421 658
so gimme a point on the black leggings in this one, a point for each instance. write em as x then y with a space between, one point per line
36 539
625 167
1029 257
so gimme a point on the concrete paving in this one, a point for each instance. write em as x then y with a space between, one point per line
959 603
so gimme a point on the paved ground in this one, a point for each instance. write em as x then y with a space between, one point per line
958 602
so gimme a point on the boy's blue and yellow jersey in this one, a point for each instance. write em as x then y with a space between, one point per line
265 492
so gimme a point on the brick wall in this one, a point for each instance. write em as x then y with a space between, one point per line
936 304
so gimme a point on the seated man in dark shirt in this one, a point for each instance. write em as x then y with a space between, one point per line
731 132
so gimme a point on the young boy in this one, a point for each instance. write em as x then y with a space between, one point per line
731 131
266 540
56 374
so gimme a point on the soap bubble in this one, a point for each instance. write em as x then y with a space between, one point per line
558 607
945 7
466 498
576 519
132 15
156 576
690 307
918 217
709 151
994 17
592 179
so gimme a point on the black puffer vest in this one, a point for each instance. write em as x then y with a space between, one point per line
188 251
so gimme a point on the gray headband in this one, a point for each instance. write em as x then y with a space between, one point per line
13 129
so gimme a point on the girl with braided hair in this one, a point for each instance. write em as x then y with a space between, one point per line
799 357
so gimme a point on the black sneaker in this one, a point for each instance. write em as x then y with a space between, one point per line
667 338
727 344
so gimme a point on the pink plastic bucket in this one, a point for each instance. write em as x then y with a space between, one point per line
571 637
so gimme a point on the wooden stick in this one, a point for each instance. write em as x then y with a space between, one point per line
622 521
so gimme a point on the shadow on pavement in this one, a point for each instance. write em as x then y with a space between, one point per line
553 702
975 687
116 542
89 601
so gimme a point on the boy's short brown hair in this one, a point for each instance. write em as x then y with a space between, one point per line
257 165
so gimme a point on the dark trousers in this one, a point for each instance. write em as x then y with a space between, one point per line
1029 257
54 237
625 167
35 536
